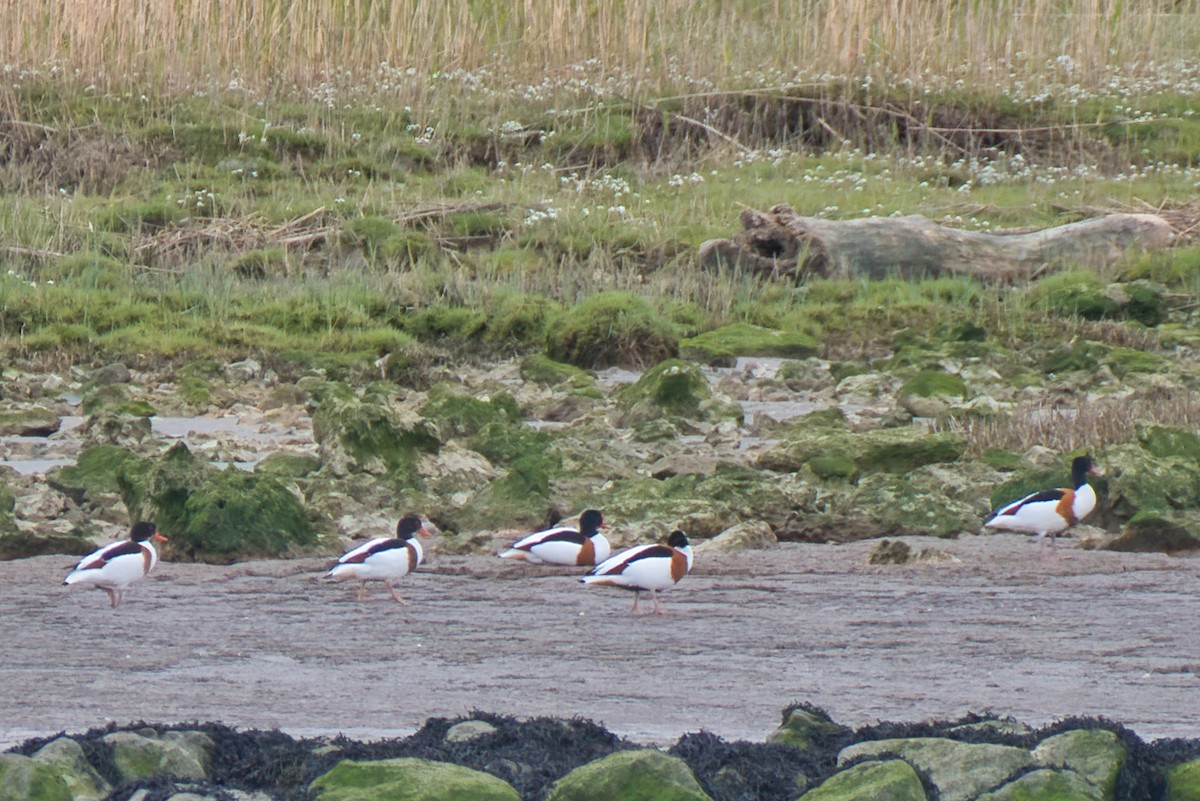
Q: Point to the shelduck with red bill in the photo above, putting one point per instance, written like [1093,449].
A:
[646,567]
[1051,511]
[114,567]
[384,559]
[564,545]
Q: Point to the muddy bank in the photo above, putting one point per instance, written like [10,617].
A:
[269,644]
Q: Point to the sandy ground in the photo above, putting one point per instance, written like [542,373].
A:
[271,644]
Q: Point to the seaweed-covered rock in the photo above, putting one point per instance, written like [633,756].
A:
[145,752]
[960,771]
[1138,481]
[288,465]
[1095,754]
[1046,785]
[1183,782]
[889,780]
[115,398]
[611,329]
[639,775]
[890,504]
[409,779]
[372,434]
[30,421]
[455,413]
[723,345]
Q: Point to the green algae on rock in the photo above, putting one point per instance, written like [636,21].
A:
[638,775]
[409,779]
[889,780]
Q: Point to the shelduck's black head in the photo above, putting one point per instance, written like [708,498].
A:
[1081,468]
[677,539]
[590,522]
[145,530]
[411,526]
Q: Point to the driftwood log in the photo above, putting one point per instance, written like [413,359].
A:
[783,244]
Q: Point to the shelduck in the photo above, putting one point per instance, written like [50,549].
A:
[384,558]
[646,567]
[114,567]
[1051,511]
[564,545]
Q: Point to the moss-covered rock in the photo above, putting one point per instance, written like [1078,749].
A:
[372,434]
[890,780]
[892,450]
[1168,441]
[26,779]
[1046,785]
[157,488]
[807,729]
[1095,754]
[68,758]
[31,421]
[409,779]
[960,771]
[1138,482]
[1157,531]
[640,775]
[113,398]
[1183,782]
[935,383]
[15,544]
[724,344]
[894,505]
[611,329]
[1075,293]
[143,753]
[288,465]
[94,472]
[672,388]
[455,413]
[541,369]
[750,535]
[237,515]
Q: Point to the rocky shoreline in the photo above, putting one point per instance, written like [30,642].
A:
[485,756]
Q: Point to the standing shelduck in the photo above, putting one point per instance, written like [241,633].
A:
[646,567]
[1051,511]
[114,567]
[384,558]
[564,545]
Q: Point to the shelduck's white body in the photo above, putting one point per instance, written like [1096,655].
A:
[646,567]
[564,545]
[384,559]
[114,567]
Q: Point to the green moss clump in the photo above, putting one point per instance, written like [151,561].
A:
[1166,441]
[369,429]
[461,415]
[158,489]
[518,319]
[408,779]
[541,369]
[25,779]
[935,383]
[286,466]
[114,397]
[95,471]
[238,515]
[611,329]
[194,391]
[743,339]
[1075,294]
[127,217]
[445,322]
[1076,356]
[674,386]
[1125,361]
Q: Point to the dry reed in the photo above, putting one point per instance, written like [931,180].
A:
[658,45]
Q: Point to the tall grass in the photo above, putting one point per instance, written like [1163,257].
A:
[656,44]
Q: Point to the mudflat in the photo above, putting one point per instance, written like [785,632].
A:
[995,628]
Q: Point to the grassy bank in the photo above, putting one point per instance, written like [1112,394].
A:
[175,190]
